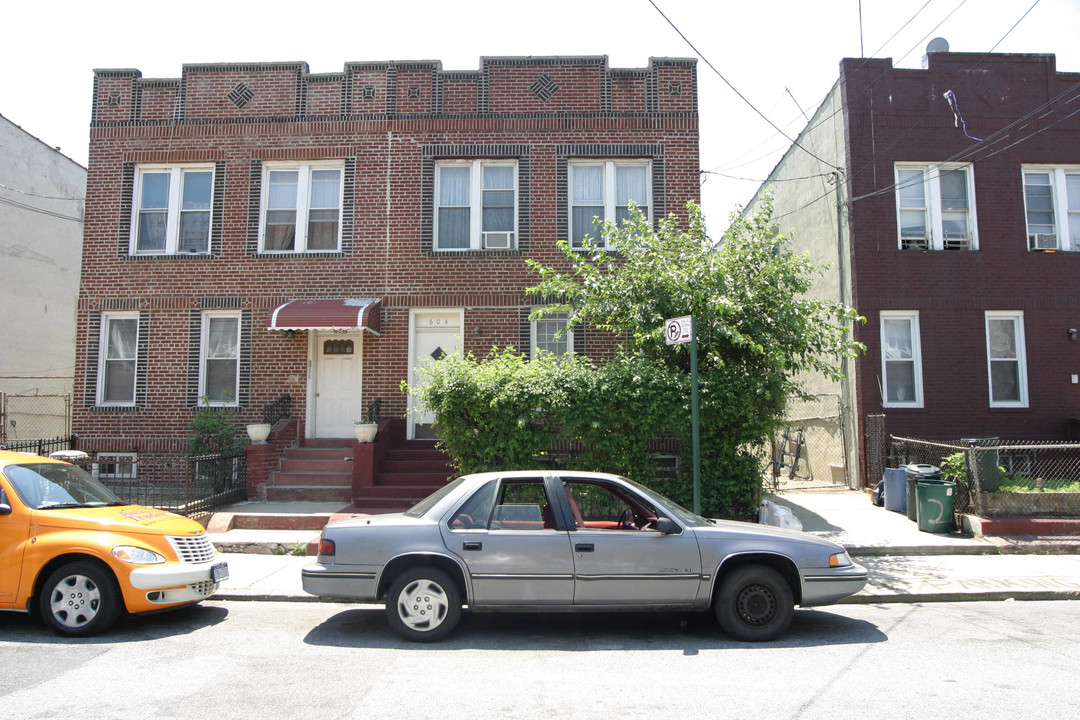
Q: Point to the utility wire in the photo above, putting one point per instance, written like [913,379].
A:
[736,91]
[31,208]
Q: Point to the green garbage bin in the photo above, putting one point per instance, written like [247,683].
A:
[914,474]
[935,498]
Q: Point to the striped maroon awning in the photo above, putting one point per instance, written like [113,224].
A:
[327,314]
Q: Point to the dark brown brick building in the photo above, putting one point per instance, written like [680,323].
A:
[957,237]
[258,230]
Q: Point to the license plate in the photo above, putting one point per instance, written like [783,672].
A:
[219,572]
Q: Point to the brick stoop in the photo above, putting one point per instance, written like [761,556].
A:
[409,471]
[318,471]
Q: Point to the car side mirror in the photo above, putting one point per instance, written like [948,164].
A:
[5,509]
[667,526]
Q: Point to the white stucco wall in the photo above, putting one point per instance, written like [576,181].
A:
[42,196]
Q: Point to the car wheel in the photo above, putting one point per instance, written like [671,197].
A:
[79,599]
[754,603]
[423,604]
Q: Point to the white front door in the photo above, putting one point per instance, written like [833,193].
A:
[434,333]
[338,360]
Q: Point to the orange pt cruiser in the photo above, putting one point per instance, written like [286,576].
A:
[75,553]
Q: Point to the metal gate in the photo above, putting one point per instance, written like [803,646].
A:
[810,450]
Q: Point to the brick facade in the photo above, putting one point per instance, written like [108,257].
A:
[387,124]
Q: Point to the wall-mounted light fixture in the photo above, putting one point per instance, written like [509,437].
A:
[1072,333]
[478,331]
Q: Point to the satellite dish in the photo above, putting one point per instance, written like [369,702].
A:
[938,44]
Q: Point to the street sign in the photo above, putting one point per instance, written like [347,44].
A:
[678,330]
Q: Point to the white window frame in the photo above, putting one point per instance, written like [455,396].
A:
[303,203]
[1017,316]
[172,216]
[477,236]
[1066,221]
[103,350]
[119,459]
[610,205]
[204,344]
[568,331]
[932,198]
[912,316]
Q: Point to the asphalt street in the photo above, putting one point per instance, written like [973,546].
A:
[282,660]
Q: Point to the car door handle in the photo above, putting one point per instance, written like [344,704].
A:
[583,547]
[472,545]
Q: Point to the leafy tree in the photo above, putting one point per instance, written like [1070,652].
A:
[758,332]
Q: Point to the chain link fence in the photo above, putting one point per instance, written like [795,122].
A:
[1001,479]
[809,452]
[30,417]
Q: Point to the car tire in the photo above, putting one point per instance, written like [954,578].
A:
[80,599]
[423,604]
[754,603]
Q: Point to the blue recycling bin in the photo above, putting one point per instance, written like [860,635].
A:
[896,490]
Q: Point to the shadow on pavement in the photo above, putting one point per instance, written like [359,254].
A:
[589,632]
[21,627]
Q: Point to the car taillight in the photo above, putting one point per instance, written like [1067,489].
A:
[326,547]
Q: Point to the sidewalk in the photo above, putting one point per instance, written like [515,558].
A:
[905,564]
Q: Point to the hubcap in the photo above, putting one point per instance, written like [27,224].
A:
[422,605]
[755,604]
[75,601]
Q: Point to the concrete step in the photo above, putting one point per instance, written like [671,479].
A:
[330,479]
[402,453]
[411,479]
[319,453]
[400,491]
[415,466]
[316,465]
[376,505]
[308,493]
[329,443]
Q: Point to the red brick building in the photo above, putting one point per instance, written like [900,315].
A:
[258,230]
[957,238]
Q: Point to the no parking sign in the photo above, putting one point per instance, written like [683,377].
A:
[678,330]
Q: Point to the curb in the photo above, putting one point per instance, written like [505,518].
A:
[988,596]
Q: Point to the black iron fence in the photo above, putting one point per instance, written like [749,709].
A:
[43,446]
[999,479]
[179,483]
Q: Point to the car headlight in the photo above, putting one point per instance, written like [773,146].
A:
[136,555]
[839,560]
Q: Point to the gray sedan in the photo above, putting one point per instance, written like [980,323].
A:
[573,541]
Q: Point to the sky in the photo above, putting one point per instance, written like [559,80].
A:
[782,56]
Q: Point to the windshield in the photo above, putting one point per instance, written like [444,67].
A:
[45,485]
[680,513]
[433,499]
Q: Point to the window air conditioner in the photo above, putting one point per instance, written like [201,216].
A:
[498,241]
[1043,241]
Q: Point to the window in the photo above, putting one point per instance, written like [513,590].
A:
[935,207]
[477,205]
[118,359]
[301,207]
[172,210]
[901,359]
[603,190]
[1052,207]
[1005,357]
[116,466]
[551,334]
[219,359]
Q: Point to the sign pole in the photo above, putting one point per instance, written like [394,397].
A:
[694,428]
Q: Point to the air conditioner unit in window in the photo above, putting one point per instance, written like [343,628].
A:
[1043,241]
[498,241]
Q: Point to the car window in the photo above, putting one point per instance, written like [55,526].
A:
[433,499]
[603,507]
[475,512]
[43,485]
[522,504]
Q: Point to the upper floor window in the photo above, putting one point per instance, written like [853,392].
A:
[603,190]
[901,359]
[172,209]
[1006,358]
[935,206]
[1052,207]
[118,359]
[219,358]
[301,207]
[551,334]
[476,205]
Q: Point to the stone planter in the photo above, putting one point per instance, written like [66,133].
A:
[258,432]
[365,432]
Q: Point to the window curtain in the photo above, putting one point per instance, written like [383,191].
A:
[631,184]
[281,211]
[454,218]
